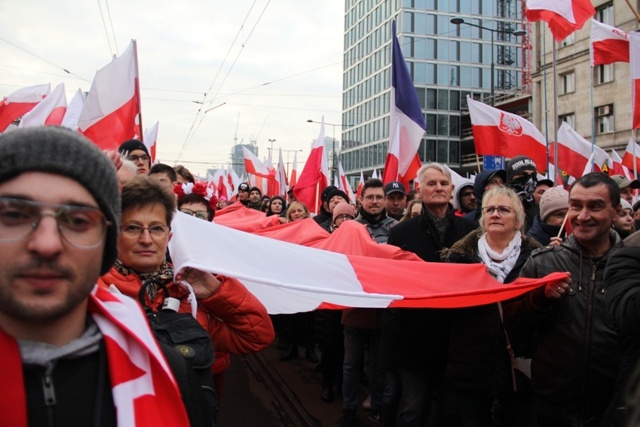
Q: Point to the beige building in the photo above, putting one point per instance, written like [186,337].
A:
[594,101]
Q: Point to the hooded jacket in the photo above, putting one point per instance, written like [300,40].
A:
[478,190]
[576,352]
[456,196]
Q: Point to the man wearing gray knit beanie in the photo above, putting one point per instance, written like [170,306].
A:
[554,205]
[61,336]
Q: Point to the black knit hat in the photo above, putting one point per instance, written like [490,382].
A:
[132,144]
[337,192]
[325,193]
[255,189]
[63,152]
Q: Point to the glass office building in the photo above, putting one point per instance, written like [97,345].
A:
[447,63]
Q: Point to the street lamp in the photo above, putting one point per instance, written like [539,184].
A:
[517,33]
[333,149]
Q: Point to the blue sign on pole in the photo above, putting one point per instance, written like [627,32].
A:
[493,162]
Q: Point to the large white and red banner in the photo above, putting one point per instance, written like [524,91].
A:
[344,269]
[20,102]
[574,152]
[498,133]
[50,111]
[608,44]
[563,16]
[112,108]
[406,122]
[315,175]
[634,58]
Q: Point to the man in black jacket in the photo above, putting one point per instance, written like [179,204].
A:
[414,341]
[72,352]
[576,353]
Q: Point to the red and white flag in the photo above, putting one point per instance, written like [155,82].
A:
[406,122]
[150,141]
[634,57]
[343,183]
[617,168]
[315,175]
[293,179]
[498,133]
[608,44]
[234,181]
[20,103]
[631,155]
[50,111]
[74,109]
[574,152]
[112,108]
[374,175]
[360,185]
[254,165]
[281,176]
[345,269]
[563,16]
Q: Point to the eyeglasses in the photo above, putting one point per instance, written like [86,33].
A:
[502,210]
[81,226]
[197,214]
[135,159]
[134,230]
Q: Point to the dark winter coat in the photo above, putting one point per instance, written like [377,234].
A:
[576,352]
[478,357]
[542,232]
[416,339]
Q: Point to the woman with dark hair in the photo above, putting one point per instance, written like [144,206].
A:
[277,206]
[195,204]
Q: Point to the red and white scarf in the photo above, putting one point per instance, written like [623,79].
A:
[144,389]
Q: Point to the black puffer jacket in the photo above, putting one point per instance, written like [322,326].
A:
[576,353]
[477,357]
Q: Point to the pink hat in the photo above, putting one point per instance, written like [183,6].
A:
[343,208]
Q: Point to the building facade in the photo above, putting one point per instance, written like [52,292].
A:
[447,62]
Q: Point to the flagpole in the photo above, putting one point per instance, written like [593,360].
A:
[593,120]
[633,9]
[137,80]
[546,98]
[555,105]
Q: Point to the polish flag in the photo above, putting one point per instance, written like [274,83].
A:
[221,184]
[630,158]
[21,102]
[150,140]
[234,181]
[407,124]
[346,272]
[617,168]
[281,176]
[498,133]
[563,16]
[360,185]
[72,115]
[608,44]
[254,165]
[272,181]
[50,111]
[374,175]
[343,183]
[574,152]
[634,57]
[112,108]
[293,179]
[315,175]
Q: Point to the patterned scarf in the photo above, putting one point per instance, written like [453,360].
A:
[144,389]
[163,275]
[500,264]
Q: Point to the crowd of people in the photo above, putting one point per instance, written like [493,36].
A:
[564,354]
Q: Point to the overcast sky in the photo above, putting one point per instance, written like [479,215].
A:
[283,65]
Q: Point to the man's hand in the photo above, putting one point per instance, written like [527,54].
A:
[558,289]
[115,158]
[204,284]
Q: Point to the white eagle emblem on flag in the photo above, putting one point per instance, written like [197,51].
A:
[510,125]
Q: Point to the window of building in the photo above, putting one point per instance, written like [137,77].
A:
[571,39]
[603,73]
[567,83]
[569,119]
[604,118]
[604,13]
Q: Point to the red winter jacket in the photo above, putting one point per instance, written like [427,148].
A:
[236,321]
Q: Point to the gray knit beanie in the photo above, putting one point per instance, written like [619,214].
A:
[63,152]
[553,199]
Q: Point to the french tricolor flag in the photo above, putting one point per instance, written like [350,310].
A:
[608,44]
[406,126]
